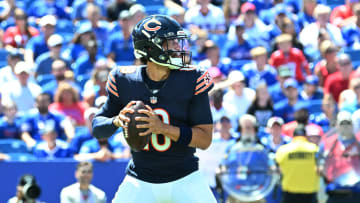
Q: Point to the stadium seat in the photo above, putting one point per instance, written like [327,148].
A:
[334,3]
[22,157]
[3,58]
[150,2]
[44,79]
[13,146]
[355,56]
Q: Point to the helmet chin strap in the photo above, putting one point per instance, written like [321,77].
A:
[174,66]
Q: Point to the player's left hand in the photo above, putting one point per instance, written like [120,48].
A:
[154,124]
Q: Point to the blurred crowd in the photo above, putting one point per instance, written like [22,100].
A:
[275,63]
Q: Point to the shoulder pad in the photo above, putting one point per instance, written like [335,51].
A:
[128,69]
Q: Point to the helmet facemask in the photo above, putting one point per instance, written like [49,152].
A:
[175,52]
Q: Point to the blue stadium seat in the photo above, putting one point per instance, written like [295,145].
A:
[13,146]
[22,157]
[150,2]
[3,57]
[355,56]
[44,79]
[82,79]
[315,107]
[334,3]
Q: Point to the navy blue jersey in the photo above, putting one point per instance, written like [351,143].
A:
[181,101]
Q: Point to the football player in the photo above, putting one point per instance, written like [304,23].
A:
[178,110]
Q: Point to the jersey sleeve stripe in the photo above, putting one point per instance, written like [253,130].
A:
[112,83]
[111,90]
[201,77]
[112,78]
[200,85]
[204,88]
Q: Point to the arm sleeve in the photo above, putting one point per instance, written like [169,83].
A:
[200,112]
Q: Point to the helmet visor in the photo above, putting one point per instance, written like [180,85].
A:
[178,50]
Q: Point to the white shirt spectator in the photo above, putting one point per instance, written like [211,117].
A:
[309,35]
[23,96]
[213,20]
[72,194]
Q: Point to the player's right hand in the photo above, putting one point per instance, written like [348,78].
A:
[121,120]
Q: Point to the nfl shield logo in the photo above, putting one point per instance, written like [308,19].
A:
[153,99]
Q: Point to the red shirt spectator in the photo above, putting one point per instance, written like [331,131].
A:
[335,84]
[328,64]
[321,69]
[15,38]
[288,128]
[340,16]
[67,102]
[295,60]
[18,35]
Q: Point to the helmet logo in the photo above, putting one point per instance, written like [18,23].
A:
[152,28]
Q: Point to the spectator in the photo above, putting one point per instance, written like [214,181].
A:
[288,27]
[340,160]
[231,10]
[96,85]
[306,16]
[238,98]
[297,163]
[77,46]
[82,189]
[119,47]
[326,119]
[7,73]
[262,107]
[259,71]
[342,15]
[311,89]
[350,32]
[18,35]
[216,105]
[216,74]
[51,147]
[212,53]
[314,134]
[45,60]
[223,139]
[178,14]
[26,180]
[58,70]
[104,150]
[84,65]
[275,138]
[301,116]
[100,28]
[7,9]
[277,91]
[39,44]
[291,56]
[10,122]
[22,91]
[286,108]
[83,134]
[339,81]
[329,63]
[310,34]
[356,120]
[41,8]
[115,8]
[79,9]
[35,122]
[137,13]
[255,30]
[205,16]
[240,48]
[67,102]
[351,97]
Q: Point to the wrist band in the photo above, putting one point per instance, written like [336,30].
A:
[185,135]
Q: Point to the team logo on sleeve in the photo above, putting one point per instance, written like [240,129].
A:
[203,83]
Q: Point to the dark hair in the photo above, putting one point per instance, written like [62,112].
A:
[300,130]
[84,163]
[301,116]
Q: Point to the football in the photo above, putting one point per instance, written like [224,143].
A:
[136,142]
